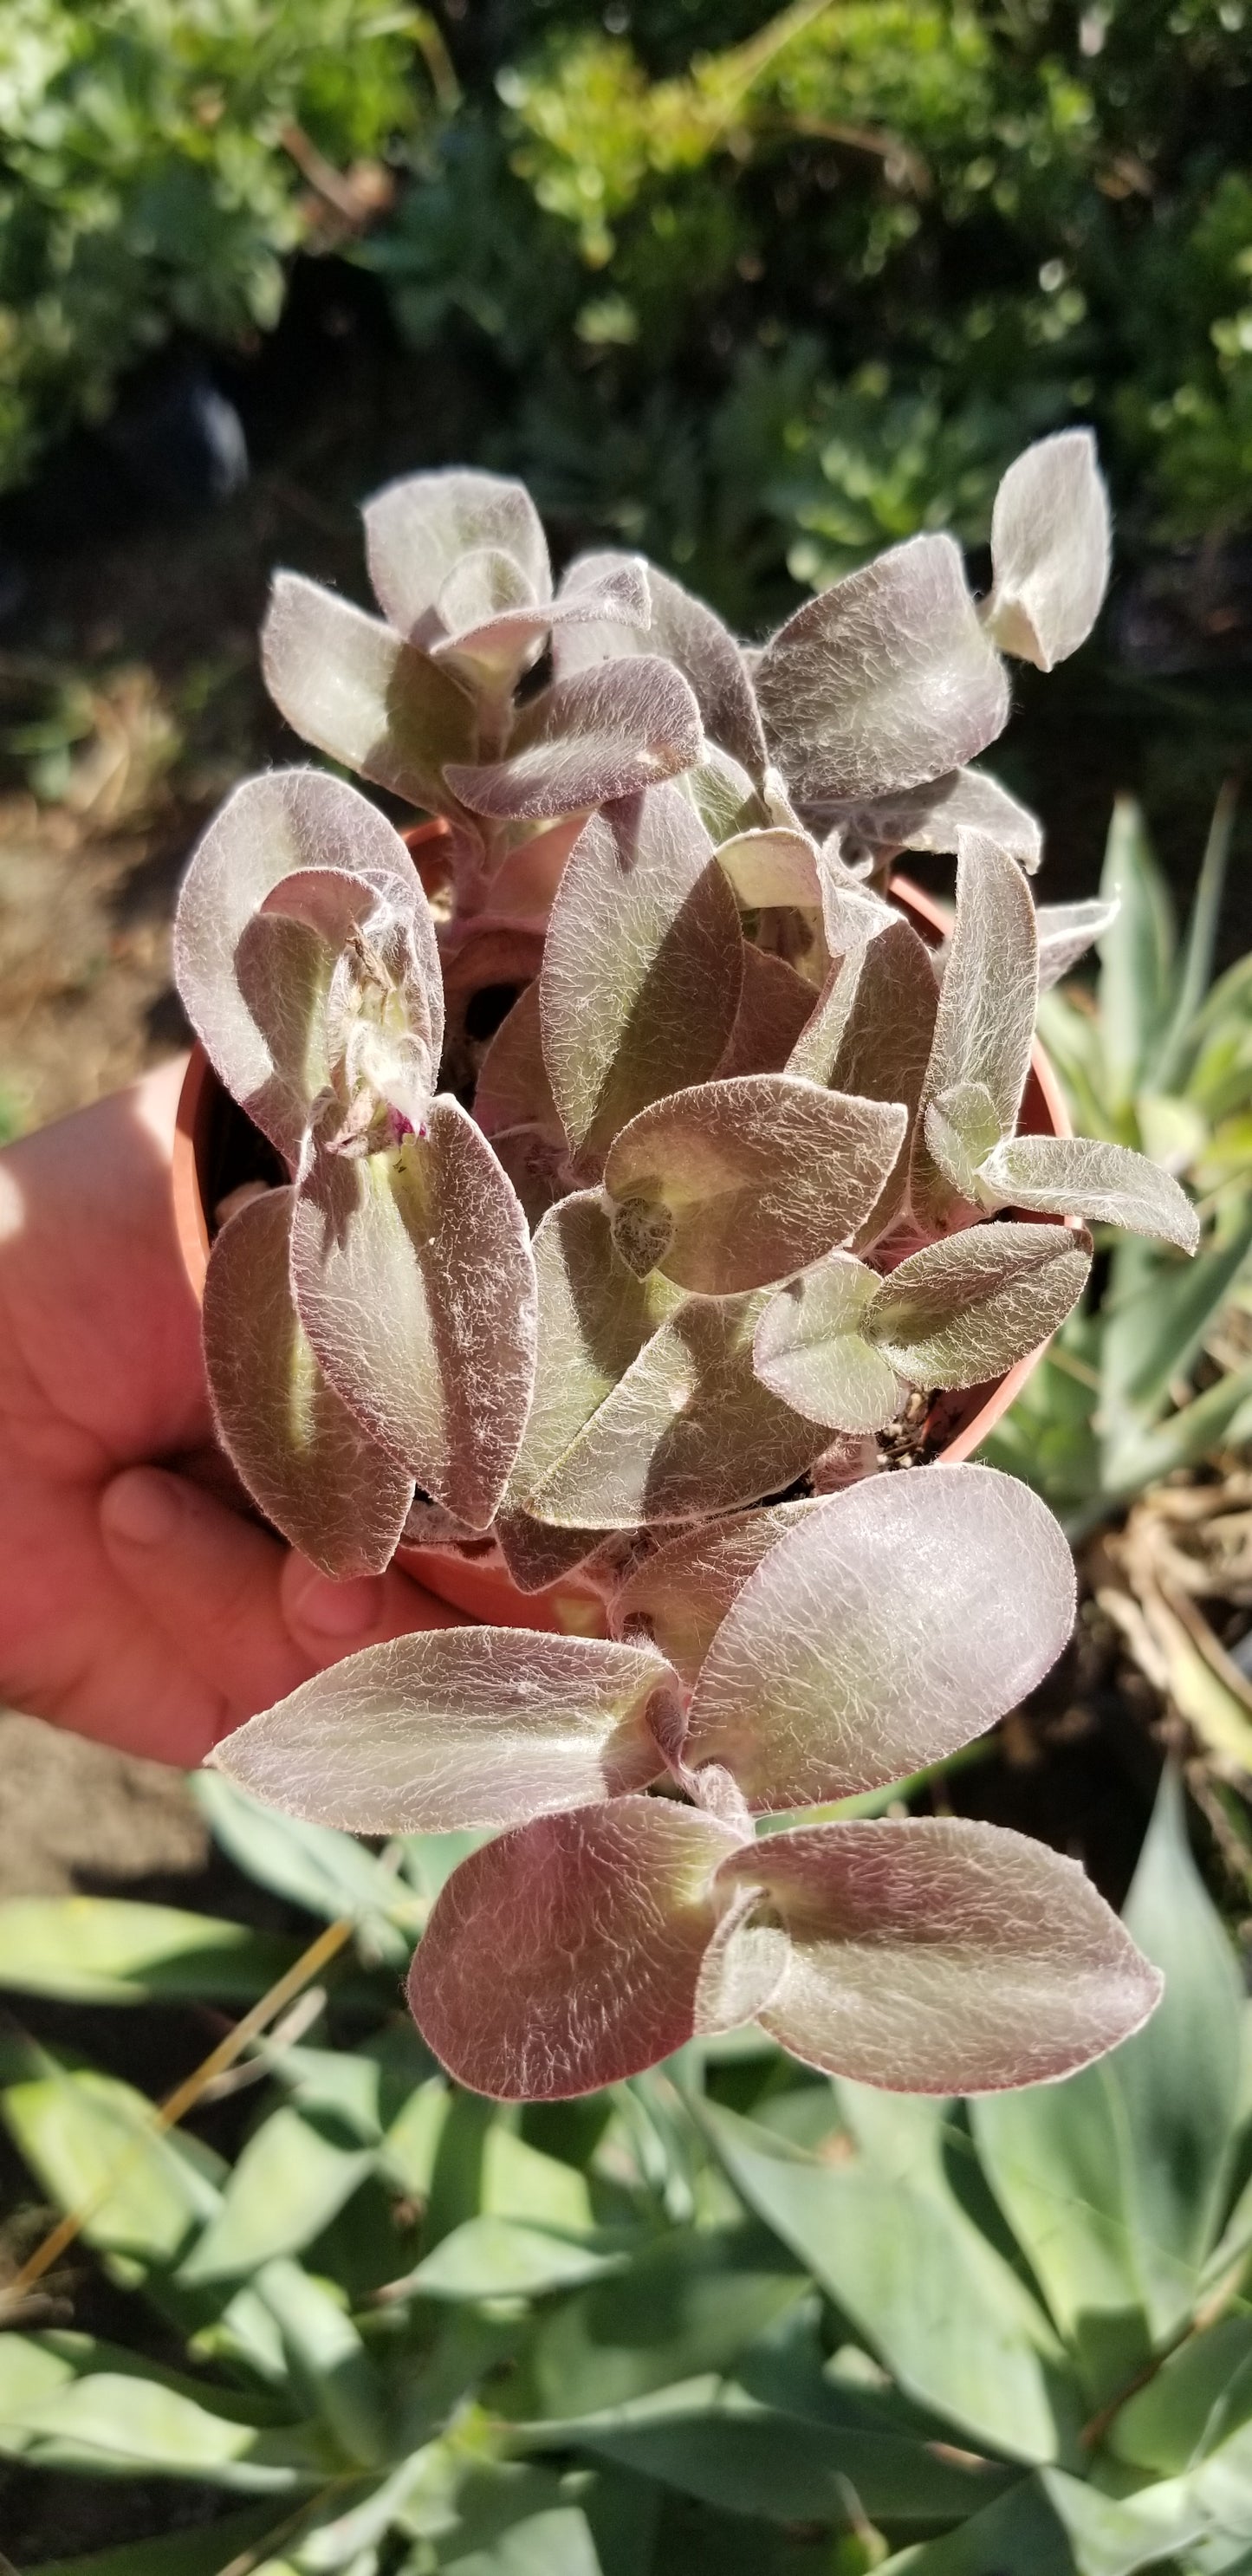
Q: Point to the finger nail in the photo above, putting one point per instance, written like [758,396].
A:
[329,1609]
[142,1507]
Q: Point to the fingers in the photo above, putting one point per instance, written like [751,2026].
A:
[210,1581]
[327,1620]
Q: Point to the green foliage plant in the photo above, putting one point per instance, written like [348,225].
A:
[1159,1055]
[728,2315]
[734,1181]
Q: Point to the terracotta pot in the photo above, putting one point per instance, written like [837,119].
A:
[216,1147]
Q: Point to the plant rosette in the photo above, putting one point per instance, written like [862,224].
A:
[631,1183]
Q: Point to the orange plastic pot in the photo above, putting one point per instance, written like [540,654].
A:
[212,1146]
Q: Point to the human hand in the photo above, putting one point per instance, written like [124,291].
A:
[135,1605]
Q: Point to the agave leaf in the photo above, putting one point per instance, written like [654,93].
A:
[986,1015]
[605,733]
[894,1624]
[812,1349]
[418,529]
[872,1033]
[1050,550]
[415,1283]
[964,1309]
[351,686]
[1135,984]
[937,1955]
[687,1430]
[512,1089]
[1066,932]
[690,636]
[1082,1176]
[884,682]
[642,966]
[932,817]
[458,1728]
[774,1005]
[289,821]
[305,1459]
[733,1184]
[568,1954]
[680,1595]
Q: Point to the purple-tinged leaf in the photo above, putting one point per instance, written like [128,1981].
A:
[304,1458]
[964,1309]
[987,1000]
[885,681]
[1084,1177]
[687,1431]
[513,1089]
[594,1318]
[773,865]
[774,1006]
[416,1286]
[536,1556]
[872,1034]
[496,630]
[287,822]
[733,1184]
[687,634]
[724,796]
[893,1625]
[605,733]
[961,1128]
[931,818]
[534,1167]
[812,1349]
[418,530]
[378,1031]
[942,1956]
[568,1954]
[680,1595]
[1066,932]
[642,967]
[347,683]
[459,1728]
[1050,550]
[524,885]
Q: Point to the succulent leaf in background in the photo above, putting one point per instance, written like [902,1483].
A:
[729,2314]
[735,1188]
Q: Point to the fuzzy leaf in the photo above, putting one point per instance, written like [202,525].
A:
[931,818]
[495,638]
[1066,931]
[942,1956]
[725,798]
[885,681]
[418,530]
[690,636]
[642,966]
[568,1955]
[773,865]
[289,821]
[606,733]
[348,684]
[305,1459]
[594,1318]
[737,1183]
[1083,1176]
[680,1596]
[986,1015]
[774,1005]
[687,1430]
[1050,550]
[964,1309]
[872,1034]
[812,1349]
[460,1728]
[895,1623]
[415,1283]
[512,1089]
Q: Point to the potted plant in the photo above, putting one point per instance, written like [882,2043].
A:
[721,1184]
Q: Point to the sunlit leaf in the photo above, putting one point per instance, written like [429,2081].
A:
[892,1625]
[568,1954]
[594,1318]
[735,1183]
[457,1728]
[964,1309]
[1134,990]
[1066,932]
[937,1955]
[1084,1176]
[872,1034]
[812,1348]
[986,1016]
[773,865]
[605,733]
[885,681]
[89,2139]
[415,1283]
[116,1950]
[305,1458]
[932,816]
[288,2184]
[774,1005]
[687,1430]
[689,635]
[679,1596]
[642,966]
[351,686]
[418,529]
[1050,549]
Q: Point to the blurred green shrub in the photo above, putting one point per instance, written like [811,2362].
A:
[155,161]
